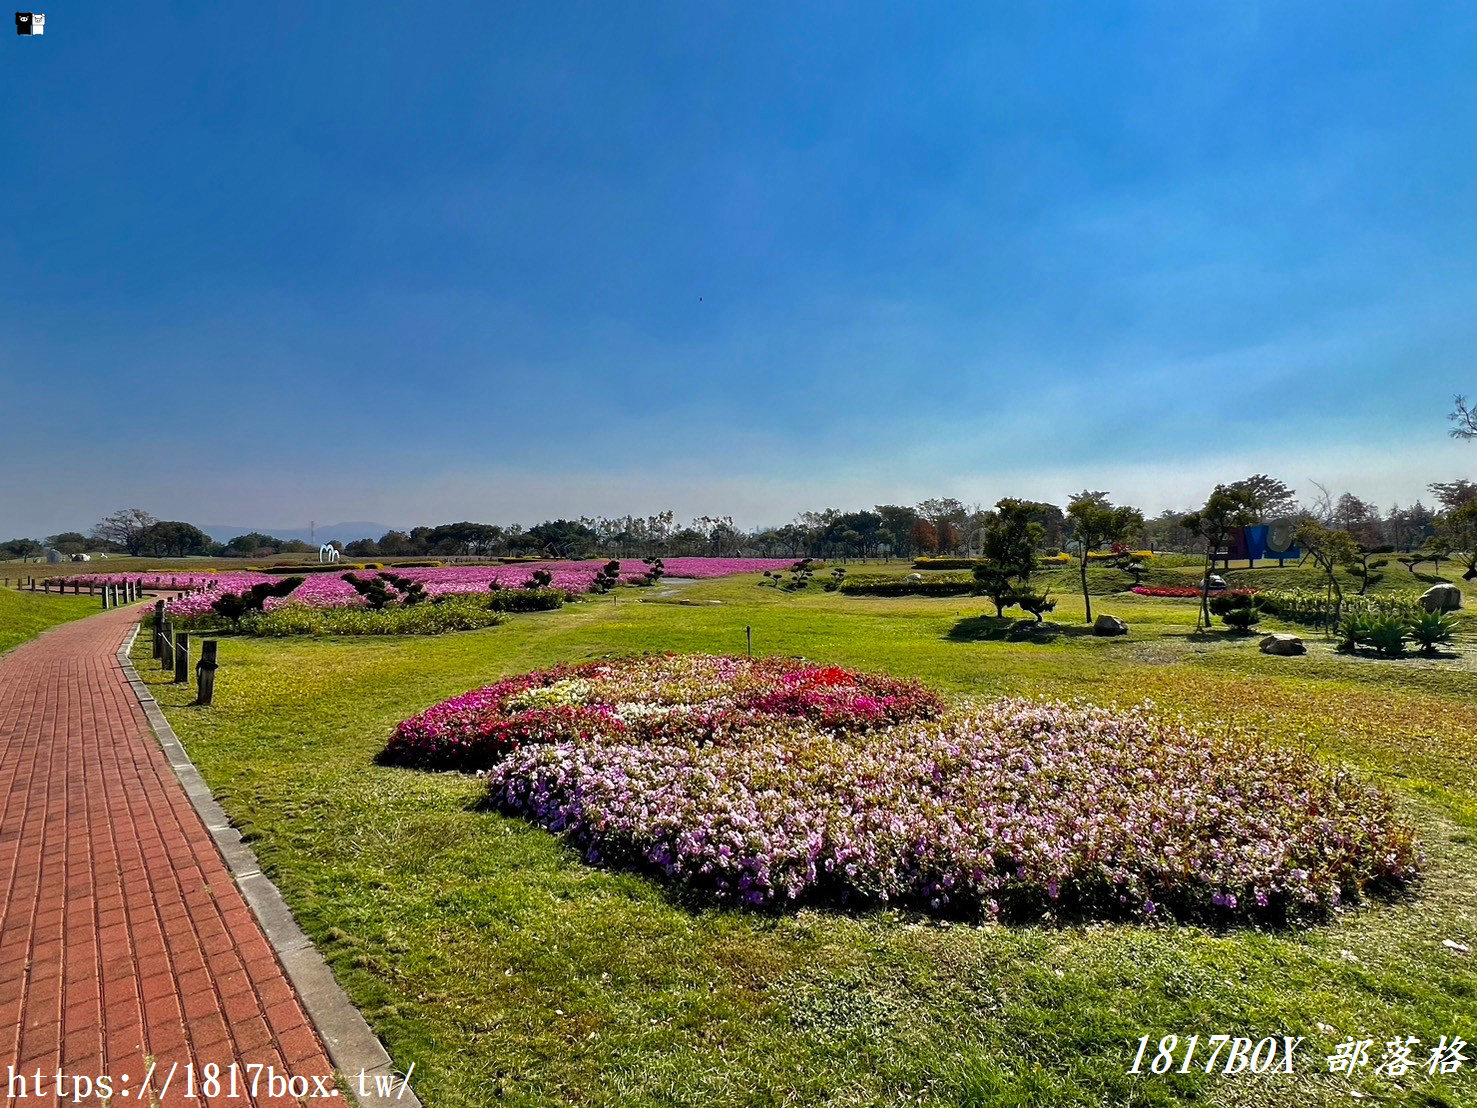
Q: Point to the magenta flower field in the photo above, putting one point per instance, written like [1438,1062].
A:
[329,590]
[775,783]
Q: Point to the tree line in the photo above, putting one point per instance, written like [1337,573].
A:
[938,526]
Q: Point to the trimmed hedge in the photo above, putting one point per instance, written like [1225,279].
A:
[466,614]
[526,600]
[899,586]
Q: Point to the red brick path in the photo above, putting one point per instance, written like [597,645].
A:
[121,933]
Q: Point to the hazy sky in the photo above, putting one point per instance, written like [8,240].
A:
[272,263]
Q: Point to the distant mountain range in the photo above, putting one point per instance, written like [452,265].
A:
[327,532]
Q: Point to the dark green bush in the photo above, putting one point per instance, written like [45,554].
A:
[377,591]
[1036,603]
[235,605]
[467,613]
[1354,632]
[1387,635]
[897,586]
[1242,618]
[1432,629]
[521,600]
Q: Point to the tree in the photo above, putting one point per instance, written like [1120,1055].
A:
[173,538]
[923,536]
[1094,521]
[898,522]
[1365,563]
[1267,497]
[1227,508]
[1465,419]
[20,548]
[1329,549]
[1358,517]
[397,544]
[1008,548]
[124,528]
[1164,531]
[1453,494]
[561,538]
[251,544]
[69,542]
[1459,530]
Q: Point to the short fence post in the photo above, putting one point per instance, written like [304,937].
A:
[749,634]
[158,628]
[182,658]
[107,597]
[166,647]
[205,671]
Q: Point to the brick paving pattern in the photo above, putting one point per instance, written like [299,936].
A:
[122,935]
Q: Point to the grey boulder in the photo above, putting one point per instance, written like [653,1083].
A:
[1283,644]
[1441,598]
[1109,625]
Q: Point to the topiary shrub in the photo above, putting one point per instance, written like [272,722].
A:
[234,605]
[376,591]
[411,591]
[607,577]
[1036,603]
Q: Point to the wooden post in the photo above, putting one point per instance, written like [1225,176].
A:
[166,647]
[158,628]
[182,658]
[749,634]
[205,671]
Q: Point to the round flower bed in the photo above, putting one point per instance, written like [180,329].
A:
[773,783]
[695,698]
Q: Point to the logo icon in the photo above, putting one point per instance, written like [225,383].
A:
[30,23]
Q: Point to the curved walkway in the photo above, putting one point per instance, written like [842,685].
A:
[123,939]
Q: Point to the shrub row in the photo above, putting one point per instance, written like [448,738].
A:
[458,614]
[897,586]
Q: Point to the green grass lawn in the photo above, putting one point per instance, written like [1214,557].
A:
[508,971]
[24,615]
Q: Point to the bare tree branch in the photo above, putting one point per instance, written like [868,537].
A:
[1465,419]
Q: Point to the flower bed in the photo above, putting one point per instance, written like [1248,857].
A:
[668,698]
[330,590]
[773,783]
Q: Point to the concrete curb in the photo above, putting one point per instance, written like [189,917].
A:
[353,1048]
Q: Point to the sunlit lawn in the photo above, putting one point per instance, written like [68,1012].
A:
[23,615]
[482,950]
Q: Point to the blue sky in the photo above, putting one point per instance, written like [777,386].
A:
[276,263]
